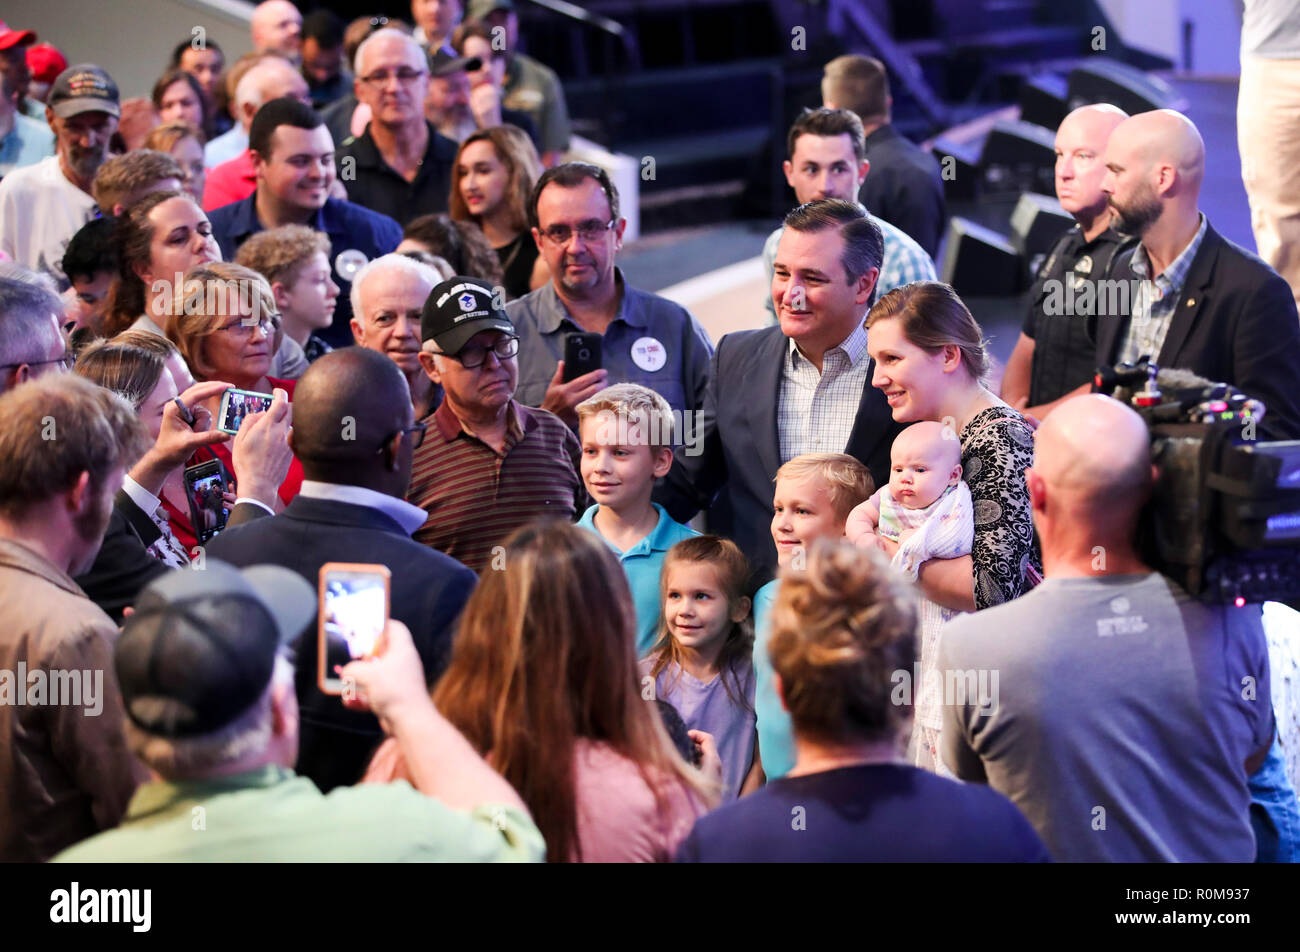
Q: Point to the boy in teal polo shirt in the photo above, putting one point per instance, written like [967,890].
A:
[814,495]
[626,433]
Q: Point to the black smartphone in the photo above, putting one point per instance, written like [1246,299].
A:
[237,404]
[205,486]
[581,355]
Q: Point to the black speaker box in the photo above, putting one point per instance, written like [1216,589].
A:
[978,261]
[1044,100]
[1036,223]
[1018,157]
[1107,80]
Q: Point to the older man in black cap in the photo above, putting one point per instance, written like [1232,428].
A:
[456,111]
[210,710]
[488,464]
[43,205]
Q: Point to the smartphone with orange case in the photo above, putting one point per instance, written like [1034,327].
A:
[354,604]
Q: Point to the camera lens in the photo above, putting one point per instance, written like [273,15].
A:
[584,355]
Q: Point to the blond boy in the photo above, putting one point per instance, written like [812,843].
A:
[813,498]
[626,432]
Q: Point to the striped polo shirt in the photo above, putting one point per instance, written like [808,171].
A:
[476,497]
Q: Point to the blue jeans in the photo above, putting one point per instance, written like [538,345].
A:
[1274,811]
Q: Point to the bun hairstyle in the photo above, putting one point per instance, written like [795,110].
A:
[932,317]
[840,629]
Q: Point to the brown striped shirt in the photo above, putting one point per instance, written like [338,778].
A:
[475,497]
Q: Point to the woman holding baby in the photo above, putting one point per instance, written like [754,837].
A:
[930,363]
[966,550]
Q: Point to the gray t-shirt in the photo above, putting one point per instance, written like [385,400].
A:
[1118,714]
[709,708]
[1271,29]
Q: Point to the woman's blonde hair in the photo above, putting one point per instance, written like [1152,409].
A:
[545,656]
[840,630]
[120,366]
[523,167]
[932,317]
[211,294]
[732,569]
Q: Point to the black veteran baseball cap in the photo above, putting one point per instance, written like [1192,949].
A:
[200,648]
[458,309]
[84,88]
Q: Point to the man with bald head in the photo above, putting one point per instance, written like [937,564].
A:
[1198,302]
[1056,354]
[1117,721]
[388,296]
[233,178]
[355,432]
[400,165]
[276,27]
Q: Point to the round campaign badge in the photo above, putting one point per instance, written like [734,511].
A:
[349,262]
[649,354]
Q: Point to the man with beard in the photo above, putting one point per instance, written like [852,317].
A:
[645,339]
[1200,302]
[43,205]
[64,765]
[1055,357]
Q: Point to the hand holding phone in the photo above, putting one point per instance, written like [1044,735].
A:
[238,404]
[353,611]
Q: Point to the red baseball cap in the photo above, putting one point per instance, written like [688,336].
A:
[11,38]
[45,62]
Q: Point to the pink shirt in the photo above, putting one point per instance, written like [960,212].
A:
[618,818]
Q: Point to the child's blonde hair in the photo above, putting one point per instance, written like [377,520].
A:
[850,482]
[733,575]
[628,405]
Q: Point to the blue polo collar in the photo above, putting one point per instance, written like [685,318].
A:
[661,538]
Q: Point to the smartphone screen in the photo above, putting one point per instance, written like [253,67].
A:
[353,611]
[237,404]
[205,487]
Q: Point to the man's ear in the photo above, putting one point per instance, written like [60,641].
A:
[430,367]
[1037,490]
[537,239]
[865,285]
[620,226]
[788,168]
[284,709]
[358,331]
[863,169]
[78,498]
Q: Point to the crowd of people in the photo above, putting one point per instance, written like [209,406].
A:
[820,590]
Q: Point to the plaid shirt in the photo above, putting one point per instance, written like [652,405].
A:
[904,261]
[1154,305]
[817,410]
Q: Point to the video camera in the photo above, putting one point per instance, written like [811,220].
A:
[1224,516]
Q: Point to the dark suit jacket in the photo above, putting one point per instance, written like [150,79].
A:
[1235,323]
[904,187]
[429,589]
[740,450]
[123,566]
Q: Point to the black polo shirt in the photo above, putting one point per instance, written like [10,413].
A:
[1062,314]
[375,184]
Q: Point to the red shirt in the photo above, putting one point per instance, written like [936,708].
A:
[231,181]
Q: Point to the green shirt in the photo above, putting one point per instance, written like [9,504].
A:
[273,815]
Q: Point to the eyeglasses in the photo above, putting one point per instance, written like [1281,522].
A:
[476,356]
[416,430]
[66,360]
[404,76]
[268,325]
[587,231]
